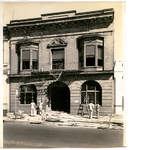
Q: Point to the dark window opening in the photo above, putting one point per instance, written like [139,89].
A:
[58,58]
[34,64]
[100,55]
[26,64]
[91,91]
[58,64]
[28,93]
[34,59]
[81,57]
[22,98]
[90,55]
[91,52]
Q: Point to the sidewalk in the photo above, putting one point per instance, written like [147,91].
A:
[114,122]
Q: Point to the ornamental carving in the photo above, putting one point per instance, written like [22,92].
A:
[57,43]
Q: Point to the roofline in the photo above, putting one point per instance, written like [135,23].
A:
[57,13]
[74,18]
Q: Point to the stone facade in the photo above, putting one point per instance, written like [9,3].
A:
[53,32]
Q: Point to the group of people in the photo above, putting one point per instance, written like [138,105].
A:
[34,107]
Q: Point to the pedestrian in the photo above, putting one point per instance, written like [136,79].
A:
[33,106]
[91,107]
[40,107]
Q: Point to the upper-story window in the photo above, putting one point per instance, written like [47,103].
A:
[28,56]
[58,58]
[91,51]
[57,54]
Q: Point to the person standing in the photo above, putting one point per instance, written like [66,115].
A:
[33,108]
[40,107]
[91,107]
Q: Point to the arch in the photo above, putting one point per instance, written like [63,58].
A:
[59,96]
[91,91]
[27,94]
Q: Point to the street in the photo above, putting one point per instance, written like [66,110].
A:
[23,135]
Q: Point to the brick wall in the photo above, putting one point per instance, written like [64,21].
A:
[106,82]
[71,53]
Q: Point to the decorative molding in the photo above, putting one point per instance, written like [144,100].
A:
[57,43]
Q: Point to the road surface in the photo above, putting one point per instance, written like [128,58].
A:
[23,135]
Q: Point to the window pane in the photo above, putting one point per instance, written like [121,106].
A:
[83,87]
[29,88]
[23,89]
[98,88]
[26,64]
[58,64]
[97,98]
[83,97]
[34,64]
[26,54]
[91,87]
[22,98]
[90,50]
[90,61]
[91,97]
[28,98]
[81,57]
[100,55]
[100,62]
[57,54]
[34,55]
[34,98]
[100,52]
[90,55]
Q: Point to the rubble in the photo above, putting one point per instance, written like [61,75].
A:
[64,119]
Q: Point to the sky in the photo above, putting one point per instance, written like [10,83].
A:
[24,10]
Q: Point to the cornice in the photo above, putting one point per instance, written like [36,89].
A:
[79,19]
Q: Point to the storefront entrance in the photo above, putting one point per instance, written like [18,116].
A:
[59,95]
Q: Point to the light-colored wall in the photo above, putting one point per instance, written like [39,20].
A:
[6,71]
[119,87]
[71,53]
[106,82]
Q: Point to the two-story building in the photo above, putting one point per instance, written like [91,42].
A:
[65,58]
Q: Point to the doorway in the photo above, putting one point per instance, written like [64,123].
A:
[59,95]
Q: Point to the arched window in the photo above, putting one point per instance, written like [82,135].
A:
[28,93]
[91,91]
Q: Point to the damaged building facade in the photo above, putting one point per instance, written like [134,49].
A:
[65,58]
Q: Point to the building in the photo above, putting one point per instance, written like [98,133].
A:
[6,71]
[65,58]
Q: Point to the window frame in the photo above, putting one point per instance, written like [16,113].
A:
[95,91]
[95,41]
[27,47]
[34,91]
[51,57]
